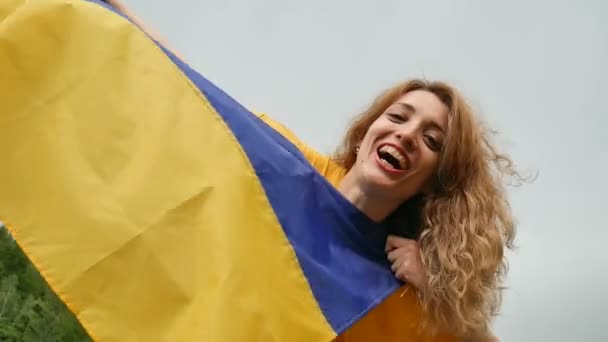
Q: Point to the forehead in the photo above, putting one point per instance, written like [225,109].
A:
[425,104]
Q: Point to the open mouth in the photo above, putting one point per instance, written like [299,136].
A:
[392,158]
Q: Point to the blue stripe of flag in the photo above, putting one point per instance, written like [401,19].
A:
[340,250]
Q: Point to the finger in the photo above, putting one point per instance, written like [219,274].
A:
[395,267]
[399,263]
[394,241]
[403,250]
[399,253]
[400,274]
[401,270]
[390,244]
[394,254]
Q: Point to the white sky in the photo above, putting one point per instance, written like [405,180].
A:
[535,69]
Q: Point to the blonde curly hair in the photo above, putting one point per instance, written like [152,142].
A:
[465,221]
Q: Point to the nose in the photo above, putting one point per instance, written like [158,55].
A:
[408,139]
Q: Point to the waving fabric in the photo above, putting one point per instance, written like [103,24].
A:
[156,206]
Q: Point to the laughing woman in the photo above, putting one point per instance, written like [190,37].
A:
[418,160]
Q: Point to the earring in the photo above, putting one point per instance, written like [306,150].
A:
[356,149]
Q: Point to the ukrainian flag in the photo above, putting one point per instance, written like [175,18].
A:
[156,206]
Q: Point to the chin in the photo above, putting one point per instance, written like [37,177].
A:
[376,181]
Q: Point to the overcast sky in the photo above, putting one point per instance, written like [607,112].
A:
[536,70]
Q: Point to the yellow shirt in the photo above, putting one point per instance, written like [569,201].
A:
[397,318]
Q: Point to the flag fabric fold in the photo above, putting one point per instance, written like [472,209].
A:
[156,206]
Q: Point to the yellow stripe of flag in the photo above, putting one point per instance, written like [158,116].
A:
[118,178]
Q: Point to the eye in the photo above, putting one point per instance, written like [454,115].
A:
[398,118]
[432,142]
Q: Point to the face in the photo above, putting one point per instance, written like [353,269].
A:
[399,154]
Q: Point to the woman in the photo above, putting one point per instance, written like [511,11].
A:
[417,151]
[418,160]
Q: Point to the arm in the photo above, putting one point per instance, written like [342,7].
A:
[119,6]
[404,255]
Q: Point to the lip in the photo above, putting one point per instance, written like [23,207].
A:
[391,169]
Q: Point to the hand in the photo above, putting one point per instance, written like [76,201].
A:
[404,254]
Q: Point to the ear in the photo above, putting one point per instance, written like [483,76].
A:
[357,147]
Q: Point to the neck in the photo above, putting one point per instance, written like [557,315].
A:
[376,208]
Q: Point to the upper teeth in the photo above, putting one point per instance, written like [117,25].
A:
[395,153]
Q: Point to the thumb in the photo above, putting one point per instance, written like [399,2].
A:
[394,241]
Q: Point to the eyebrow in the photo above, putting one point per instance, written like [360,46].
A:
[408,107]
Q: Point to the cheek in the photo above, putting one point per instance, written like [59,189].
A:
[368,139]
[375,132]
[429,164]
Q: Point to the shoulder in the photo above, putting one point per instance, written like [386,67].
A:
[277,126]
[324,164]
